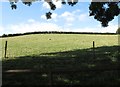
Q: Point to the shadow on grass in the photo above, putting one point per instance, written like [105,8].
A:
[76,67]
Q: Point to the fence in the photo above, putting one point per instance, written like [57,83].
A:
[98,67]
[6,45]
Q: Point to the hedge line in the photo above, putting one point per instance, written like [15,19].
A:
[54,32]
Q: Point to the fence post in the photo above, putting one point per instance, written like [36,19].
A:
[50,79]
[50,75]
[5,48]
[93,49]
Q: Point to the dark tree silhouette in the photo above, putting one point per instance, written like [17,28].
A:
[102,11]
[118,31]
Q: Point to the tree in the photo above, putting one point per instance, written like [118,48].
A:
[118,31]
[102,11]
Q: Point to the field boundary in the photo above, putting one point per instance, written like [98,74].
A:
[55,32]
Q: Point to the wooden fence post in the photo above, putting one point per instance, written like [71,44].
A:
[50,75]
[5,48]
[50,79]
[93,49]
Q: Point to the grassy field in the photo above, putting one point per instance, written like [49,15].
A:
[47,43]
[62,53]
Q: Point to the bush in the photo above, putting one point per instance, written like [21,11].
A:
[4,35]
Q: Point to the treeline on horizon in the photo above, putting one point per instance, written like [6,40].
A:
[54,32]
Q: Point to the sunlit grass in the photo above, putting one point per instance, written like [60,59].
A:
[62,52]
[46,43]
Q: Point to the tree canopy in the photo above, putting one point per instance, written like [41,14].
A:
[102,10]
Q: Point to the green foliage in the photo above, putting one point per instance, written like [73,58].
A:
[97,9]
[104,14]
[118,31]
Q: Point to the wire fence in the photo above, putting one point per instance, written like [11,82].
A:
[81,67]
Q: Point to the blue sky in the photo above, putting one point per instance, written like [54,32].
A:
[64,18]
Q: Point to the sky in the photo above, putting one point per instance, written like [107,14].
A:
[64,18]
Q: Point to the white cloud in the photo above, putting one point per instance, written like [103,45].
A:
[83,17]
[58,4]
[43,17]
[76,11]
[54,15]
[112,28]
[31,27]
[75,15]
[46,5]
[69,24]
[37,26]
[1,30]
[31,20]
[66,14]
[69,17]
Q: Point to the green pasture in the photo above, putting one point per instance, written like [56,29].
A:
[47,43]
[70,56]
